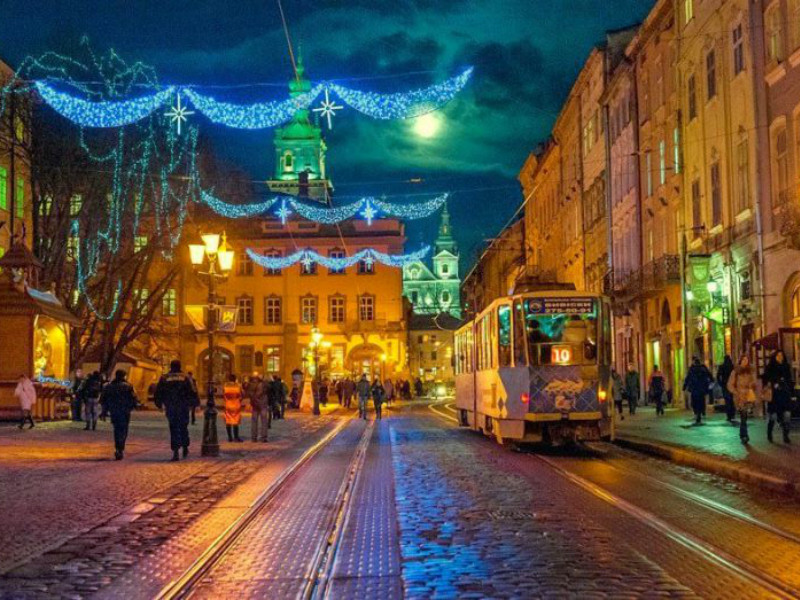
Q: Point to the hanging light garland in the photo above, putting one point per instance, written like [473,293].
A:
[308,256]
[370,209]
[261,115]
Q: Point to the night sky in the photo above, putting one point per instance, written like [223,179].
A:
[526,54]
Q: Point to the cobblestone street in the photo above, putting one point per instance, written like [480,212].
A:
[409,506]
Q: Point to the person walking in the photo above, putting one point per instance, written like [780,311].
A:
[724,373]
[233,395]
[175,394]
[742,386]
[118,400]
[261,413]
[348,389]
[323,392]
[77,400]
[90,391]
[697,382]
[632,389]
[656,389]
[282,392]
[617,392]
[25,392]
[378,393]
[418,389]
[778,380]
[389,387]
[196,404]
[363,392]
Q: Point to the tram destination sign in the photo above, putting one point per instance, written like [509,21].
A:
[561,306]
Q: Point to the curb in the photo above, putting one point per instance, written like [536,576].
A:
[710,464]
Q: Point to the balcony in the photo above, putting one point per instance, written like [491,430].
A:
[651,278]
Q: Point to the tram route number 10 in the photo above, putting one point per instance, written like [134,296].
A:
[561,355]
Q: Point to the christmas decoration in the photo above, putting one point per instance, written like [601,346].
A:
[306,257]
[411,211]
[328,108]
[369,211]
[283,212]
[235,211]
[324,214]
[178,113]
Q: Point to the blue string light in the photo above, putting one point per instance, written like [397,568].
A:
[54,380]
[101,114]
[372,208]
[308,256]
[261,115]
[254,116]
[405,105]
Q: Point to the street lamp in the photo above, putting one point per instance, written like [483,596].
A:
[220,263]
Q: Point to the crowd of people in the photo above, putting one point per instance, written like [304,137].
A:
[93,397]
[738,386]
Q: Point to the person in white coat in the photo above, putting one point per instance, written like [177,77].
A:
[26,395]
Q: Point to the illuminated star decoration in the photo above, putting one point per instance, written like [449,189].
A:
[369,213]
[283,212]
[178,113]
[369,261]
[328,108]
[306,261]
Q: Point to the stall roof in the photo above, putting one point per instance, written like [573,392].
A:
[16,301]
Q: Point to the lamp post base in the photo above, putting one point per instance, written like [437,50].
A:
[210,445]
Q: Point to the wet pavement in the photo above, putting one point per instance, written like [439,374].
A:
[409,507]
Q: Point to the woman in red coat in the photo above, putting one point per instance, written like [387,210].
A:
[233,394]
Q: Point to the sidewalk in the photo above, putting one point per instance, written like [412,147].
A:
[715,447]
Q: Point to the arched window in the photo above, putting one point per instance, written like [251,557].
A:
[288,161]
[445,297]
[796,303]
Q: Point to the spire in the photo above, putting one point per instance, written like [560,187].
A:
[445,240]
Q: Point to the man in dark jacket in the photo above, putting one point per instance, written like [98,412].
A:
[77,399]
[724,373]
[778,381]
[118,400]
[633,389]
[697,383]
[176,395]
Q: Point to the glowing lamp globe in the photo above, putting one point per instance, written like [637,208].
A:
[197,252]
[427,125]
[225,260]
[211,240]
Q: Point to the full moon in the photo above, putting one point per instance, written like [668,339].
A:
[427,125]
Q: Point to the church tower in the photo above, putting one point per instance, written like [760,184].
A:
[445,252]
[300,151]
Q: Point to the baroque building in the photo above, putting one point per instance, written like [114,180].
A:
[436,291]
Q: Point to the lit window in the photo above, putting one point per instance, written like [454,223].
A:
[244,310]
[45,206]
[676,150]
[366,308]
[336,313]
[272,254]
[272,359]
[688,10]
[169,303]
[648,169]
[20,199]
[244,264]
[139,243]
[272,310]
[73,247]
[336,254]
[738,49]
[75,204]
[140,297]
[308,310]
[662,162]
[774,35]
[3,188]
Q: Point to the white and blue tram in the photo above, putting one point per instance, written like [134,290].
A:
[535,367]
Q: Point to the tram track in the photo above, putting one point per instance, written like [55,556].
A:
[709,552]
[318,571]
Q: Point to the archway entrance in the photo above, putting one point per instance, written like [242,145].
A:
[365,359]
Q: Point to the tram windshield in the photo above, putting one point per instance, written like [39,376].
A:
[559,331]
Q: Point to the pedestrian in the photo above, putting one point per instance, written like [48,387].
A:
[389,387]
[742,386]
[363,392]
[348,389]
[77,400]
[261,413]
[723,374]
[175,394]
[617,391]
[337,389]
[90,392]
[777,379]
[193,382]
[697,383]
[118,400]
[378,392]
[407,389]
[25,393]
[295,396]
[656,389]
[323,392]
[632,388]
[418,389]
[281,394]
[233,395]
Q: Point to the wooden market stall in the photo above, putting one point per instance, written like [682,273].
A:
[34,338]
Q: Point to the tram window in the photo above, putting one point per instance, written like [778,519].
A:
[519,335]
[561,339]
[504,335]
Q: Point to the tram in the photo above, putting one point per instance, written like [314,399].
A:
[535,367]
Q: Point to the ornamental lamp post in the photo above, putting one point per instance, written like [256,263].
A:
[220,263]
[316,341]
